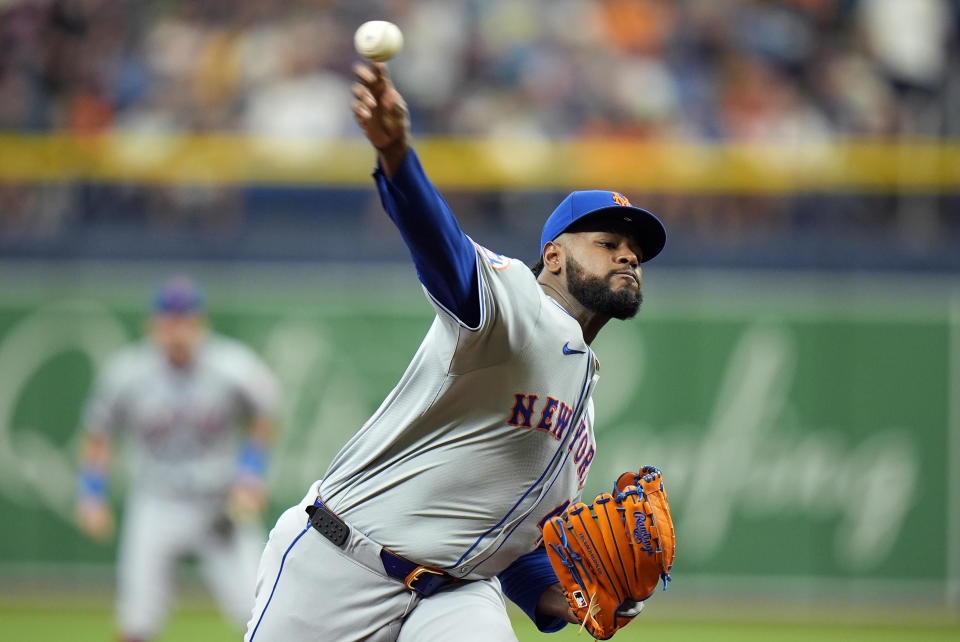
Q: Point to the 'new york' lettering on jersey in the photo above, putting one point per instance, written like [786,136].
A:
[502,410]
[554,419]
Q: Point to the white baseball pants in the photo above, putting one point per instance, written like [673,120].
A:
[309,590]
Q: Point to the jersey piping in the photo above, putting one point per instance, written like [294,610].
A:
[546,490]
[577,416]
[483,307]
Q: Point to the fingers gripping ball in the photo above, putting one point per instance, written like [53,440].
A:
[378,40]
[611,555]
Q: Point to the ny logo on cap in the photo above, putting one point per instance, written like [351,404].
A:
[620,199]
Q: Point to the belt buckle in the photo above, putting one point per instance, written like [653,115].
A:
[416,573]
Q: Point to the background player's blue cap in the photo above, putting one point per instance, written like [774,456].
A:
[178,295]
[649,231]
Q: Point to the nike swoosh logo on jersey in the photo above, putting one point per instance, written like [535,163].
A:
[568,350]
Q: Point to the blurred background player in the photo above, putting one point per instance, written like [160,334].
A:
[197,409]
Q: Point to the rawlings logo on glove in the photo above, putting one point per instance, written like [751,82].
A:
[610,556]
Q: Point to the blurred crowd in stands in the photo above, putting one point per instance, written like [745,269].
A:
[743,70]
[731,69]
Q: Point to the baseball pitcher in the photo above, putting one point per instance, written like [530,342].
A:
[464,486]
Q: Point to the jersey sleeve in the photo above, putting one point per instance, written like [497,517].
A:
[442,253]
[104,413]
[487,304]
[256,384]
[510,309]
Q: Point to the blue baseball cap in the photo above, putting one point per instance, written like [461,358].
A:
[648,230]
[178,295]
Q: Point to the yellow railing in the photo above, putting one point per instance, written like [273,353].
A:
[855,166]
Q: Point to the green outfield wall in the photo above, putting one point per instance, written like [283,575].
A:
[807,426]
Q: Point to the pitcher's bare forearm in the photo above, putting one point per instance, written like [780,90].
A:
[391,157]
[382,114]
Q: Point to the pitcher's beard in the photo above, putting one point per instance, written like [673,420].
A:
[596,294]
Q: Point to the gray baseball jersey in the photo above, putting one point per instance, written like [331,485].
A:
[488,433]
[183,423]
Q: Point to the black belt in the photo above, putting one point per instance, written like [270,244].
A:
[425,580]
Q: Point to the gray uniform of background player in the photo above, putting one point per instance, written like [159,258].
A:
[182,427]
[406,479]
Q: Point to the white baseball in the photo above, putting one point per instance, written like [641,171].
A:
[378,40]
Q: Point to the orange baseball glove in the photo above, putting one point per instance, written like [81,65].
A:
[611,555]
